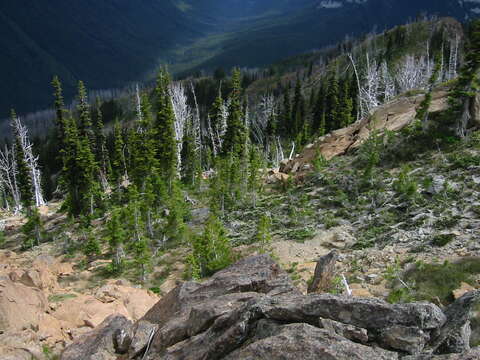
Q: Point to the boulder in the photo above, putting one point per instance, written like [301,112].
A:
[20,305]
[20,345]
[136,301]
[350,332]
[409,339]
[473,354]
[303,341]
[251,310]
[97,344]
[86,310]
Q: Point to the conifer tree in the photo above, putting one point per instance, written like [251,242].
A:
[345,106]
[190,162]
[142,256]
[118,158]
[263,235]
[142,146]
[236,135]
[254,176]
[116,237]
[175,227]
[462,96]
[167,144]
[87,185]
[332,104]
[318,123]
[422,111]
[60,111]
[84,117]
[212,250]
[32,229]
[91,247]
[79,172]
[100,146]
[298,109]
[216,119]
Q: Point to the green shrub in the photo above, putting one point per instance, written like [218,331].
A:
[319,163]
[442,239]
[211,251]
[301,234]
[405,185]
[400,295]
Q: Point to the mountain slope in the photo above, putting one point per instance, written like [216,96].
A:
[316,24]
[112,42]
[105,43]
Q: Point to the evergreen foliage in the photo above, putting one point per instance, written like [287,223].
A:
[236,135]
[23,172]
[165,129]
[263,235]
[211,251]
[32,229]
[116,237]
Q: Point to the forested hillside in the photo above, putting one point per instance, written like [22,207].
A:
[111,43]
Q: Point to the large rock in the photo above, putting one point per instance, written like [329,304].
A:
[392,116]
[20,305]
[98,344]
[136,301]
[86,310]
[252,311]
[409,339]
[473,354]
[303,341]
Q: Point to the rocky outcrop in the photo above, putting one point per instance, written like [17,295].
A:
[392,116]
[36,309]
[20,305]
[252,311]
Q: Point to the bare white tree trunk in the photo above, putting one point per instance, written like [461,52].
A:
[412,74]
[197,126]
[462,122]
[183,113]
[138,104]
[452,64]
[388,83]
[31,160]
[369,93]
[8,176]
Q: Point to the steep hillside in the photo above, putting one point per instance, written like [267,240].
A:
[315,24]
[117,41]
[106,43]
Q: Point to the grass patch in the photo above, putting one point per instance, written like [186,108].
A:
[61,297]
[301,234]
[437,281]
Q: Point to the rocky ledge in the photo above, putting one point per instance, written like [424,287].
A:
[251,310]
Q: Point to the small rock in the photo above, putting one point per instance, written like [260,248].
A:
[462,290]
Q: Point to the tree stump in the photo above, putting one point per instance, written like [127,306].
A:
[324,272]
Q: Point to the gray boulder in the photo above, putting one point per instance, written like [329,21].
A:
[251,310]
[98,344]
